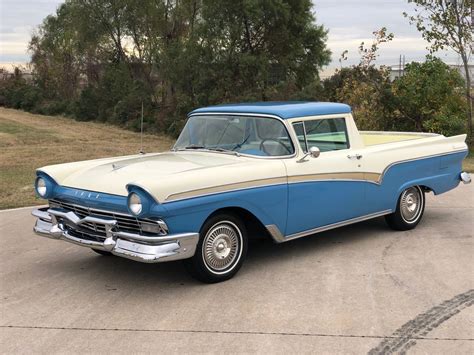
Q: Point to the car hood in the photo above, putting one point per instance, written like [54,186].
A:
[164,175]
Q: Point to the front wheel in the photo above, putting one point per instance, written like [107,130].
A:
[410,208]
[221,249]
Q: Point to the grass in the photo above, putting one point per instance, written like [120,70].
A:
[29,141]
[468,163]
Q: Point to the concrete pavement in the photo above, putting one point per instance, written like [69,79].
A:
[357,289]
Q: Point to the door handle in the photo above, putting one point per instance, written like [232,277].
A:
[355,156]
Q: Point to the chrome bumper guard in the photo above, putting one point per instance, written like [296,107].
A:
[143,248]
[465,177]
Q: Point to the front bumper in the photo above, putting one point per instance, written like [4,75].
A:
[51,223]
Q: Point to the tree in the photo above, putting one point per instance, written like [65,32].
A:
[255,45]
[54,55]
[447,24]
[244,50]
[428,98]
[366,88]
[175,55]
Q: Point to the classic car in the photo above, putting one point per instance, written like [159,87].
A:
[285,170]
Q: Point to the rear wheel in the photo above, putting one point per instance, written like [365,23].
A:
[102,252]
[221,249]
[410,208]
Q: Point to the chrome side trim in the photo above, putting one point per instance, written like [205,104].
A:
[390,133]
[221,192]
[415,159]
[349,176]
[341,176]
[274,231]
[278,237]
[369,177]
[226,188]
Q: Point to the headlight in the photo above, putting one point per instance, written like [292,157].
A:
[135,204]
[45,186]
[41,187]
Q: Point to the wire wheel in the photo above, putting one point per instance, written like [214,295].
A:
[221,247]
[411,204]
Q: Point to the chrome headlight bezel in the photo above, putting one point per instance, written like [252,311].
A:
[44,186]
[146,199]
[135,203]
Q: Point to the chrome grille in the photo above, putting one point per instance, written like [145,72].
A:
[125,222]
[83,233]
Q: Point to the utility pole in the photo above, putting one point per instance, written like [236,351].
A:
[403,66]
[141,133]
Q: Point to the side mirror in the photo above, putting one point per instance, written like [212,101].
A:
[313,151]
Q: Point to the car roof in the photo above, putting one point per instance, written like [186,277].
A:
[284,109]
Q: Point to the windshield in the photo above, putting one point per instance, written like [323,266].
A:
[261,136]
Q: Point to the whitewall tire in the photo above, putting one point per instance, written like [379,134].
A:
[409,211]
[221,249]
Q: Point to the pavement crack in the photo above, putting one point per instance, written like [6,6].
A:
[232,332]
[395,279]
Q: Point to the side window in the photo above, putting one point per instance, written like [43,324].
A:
[299,130]
[326,134]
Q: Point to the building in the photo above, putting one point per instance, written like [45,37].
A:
[398,70]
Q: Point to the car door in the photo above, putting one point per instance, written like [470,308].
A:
[327,189]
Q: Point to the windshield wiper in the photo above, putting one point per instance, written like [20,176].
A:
[195,146]
[239,145]
[192,146]
[222,150]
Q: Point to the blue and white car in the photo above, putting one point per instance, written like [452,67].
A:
[284,170]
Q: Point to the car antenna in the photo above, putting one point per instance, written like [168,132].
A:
[141,133]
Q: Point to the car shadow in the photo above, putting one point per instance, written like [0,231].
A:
[268,252]
[262,252]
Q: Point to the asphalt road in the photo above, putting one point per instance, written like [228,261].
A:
[359,289]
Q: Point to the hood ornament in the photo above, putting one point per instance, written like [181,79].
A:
[116,167]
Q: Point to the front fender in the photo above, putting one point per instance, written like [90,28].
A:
[268,204]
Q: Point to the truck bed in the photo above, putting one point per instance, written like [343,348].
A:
[371,138]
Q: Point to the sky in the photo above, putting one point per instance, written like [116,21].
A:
[349,22]
[352,21]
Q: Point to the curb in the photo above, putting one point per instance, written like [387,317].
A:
[22,208]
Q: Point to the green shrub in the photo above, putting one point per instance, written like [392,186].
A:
[86,106]
[429,98]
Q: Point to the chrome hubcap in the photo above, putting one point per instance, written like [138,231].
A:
[410,204]
[220,246]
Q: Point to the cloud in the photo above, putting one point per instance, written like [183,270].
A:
[351,22]
[19,18]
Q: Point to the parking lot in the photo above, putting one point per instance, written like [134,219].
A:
[359,289]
